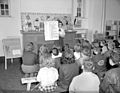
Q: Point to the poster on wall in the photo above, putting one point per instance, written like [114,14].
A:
[51,30]
[35,21]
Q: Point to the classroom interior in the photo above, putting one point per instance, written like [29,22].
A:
[82,19]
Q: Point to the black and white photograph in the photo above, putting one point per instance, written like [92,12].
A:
[59,46]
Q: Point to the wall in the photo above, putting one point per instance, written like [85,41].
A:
[94,14]
[9,26]
[112,9]
[46,6]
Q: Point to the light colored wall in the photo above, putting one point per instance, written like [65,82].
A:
[94,14]
[112,9]
[46,6]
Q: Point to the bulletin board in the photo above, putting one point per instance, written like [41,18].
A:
[12,47]
[66,19]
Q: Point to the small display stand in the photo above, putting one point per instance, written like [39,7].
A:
[12,49]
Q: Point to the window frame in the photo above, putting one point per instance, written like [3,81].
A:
[9,9]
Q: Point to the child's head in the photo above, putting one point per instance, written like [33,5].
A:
[86,51]
[97,50]
[77,47]
[43,50]
[102,43]
[47,61]
[115,57]
[95,44]
[66,47]
[55,51]
[67,57]
[87,65]
[111,45]
[29,47]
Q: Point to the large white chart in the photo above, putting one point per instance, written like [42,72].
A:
[51,30]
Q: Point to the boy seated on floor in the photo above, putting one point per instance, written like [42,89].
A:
[29,65]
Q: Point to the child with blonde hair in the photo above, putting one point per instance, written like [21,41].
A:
[48,74]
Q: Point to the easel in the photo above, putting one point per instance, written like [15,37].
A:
[11,48]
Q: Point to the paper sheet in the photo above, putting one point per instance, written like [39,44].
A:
[16,52]
[51,30]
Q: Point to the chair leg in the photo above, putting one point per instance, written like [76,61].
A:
[28,86]
[5,64]
[11,60]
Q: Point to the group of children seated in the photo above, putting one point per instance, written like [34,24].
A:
[81,69]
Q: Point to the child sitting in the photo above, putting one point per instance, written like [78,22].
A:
[56,53]
[100,63]
[85,54]
[68,69]
[77,49]
[29,65]
[47,75]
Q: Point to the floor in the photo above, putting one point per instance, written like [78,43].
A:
[11,78]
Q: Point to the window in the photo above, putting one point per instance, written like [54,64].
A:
[4,8]
[79,14]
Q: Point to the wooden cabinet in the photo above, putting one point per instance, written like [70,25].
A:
[70,38]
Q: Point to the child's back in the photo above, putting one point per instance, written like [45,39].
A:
[29,58]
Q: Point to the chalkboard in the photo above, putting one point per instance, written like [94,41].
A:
[12,47]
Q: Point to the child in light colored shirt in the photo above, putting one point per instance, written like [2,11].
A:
[47,75]
[86,82]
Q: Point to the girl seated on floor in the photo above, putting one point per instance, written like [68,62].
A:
[48,74]
[30,61]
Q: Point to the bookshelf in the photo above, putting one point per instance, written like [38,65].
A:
[112,29]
